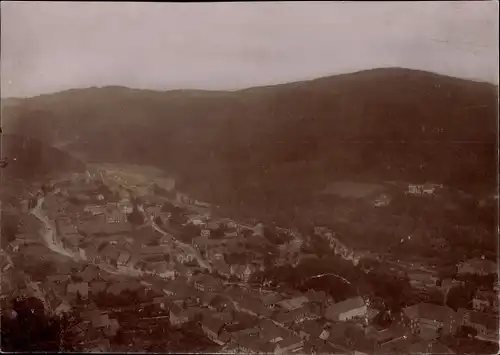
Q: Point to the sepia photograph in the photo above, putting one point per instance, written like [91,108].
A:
[250,177]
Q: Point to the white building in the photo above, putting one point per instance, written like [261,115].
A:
[351,308]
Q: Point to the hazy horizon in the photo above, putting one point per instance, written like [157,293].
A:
[52,47]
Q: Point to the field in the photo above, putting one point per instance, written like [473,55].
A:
[352,189]
[136,174]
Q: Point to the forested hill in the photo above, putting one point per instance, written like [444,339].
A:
[286,140]
[28,158]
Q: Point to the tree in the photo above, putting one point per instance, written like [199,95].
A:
[219,232]
[75,201]
[460,297]
[120,337]
[9,228]
[31,329]
[135,218]
[382,319]
[435,297]
[465,331]
[32,202]
[178,217]
[189,232]
[158,221]
[167,207]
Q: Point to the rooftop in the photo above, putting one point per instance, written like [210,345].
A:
[488,320]
[213,324]
[429,311]
[344,306]
[290,341]
[271,298]
[294,303]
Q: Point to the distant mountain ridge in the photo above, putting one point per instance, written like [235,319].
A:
[264,143]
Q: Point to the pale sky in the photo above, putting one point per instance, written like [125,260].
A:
[48,47]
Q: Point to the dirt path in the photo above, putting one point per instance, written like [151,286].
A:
[49,235]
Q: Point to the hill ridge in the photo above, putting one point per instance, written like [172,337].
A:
[381,70]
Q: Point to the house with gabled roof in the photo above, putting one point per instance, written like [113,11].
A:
[252,306]
[486,300]
[316,296]
[382,336]
[243,272]
[179,316]
[250,344]
[349,309]
[291,344]
[270,332]
[310,329]
[293,303]
[284,318]
[486,324]
[270,300]
[205,283]
[124,258]
[153,211]
[213,329]
[422,280]
[429,319]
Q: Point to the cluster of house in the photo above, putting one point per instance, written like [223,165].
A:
[111,212]
[423,279]
[314,321]
[184,199]
[485,300]
[477,266]
[60,294]
[244,320]
[338,247]
[278,324]
[430,320]
[423,189]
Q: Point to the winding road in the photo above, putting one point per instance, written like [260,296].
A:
[49,235]
[188,249]
[54,243]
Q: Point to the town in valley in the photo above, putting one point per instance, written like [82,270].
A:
[249,177]
[131,266]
